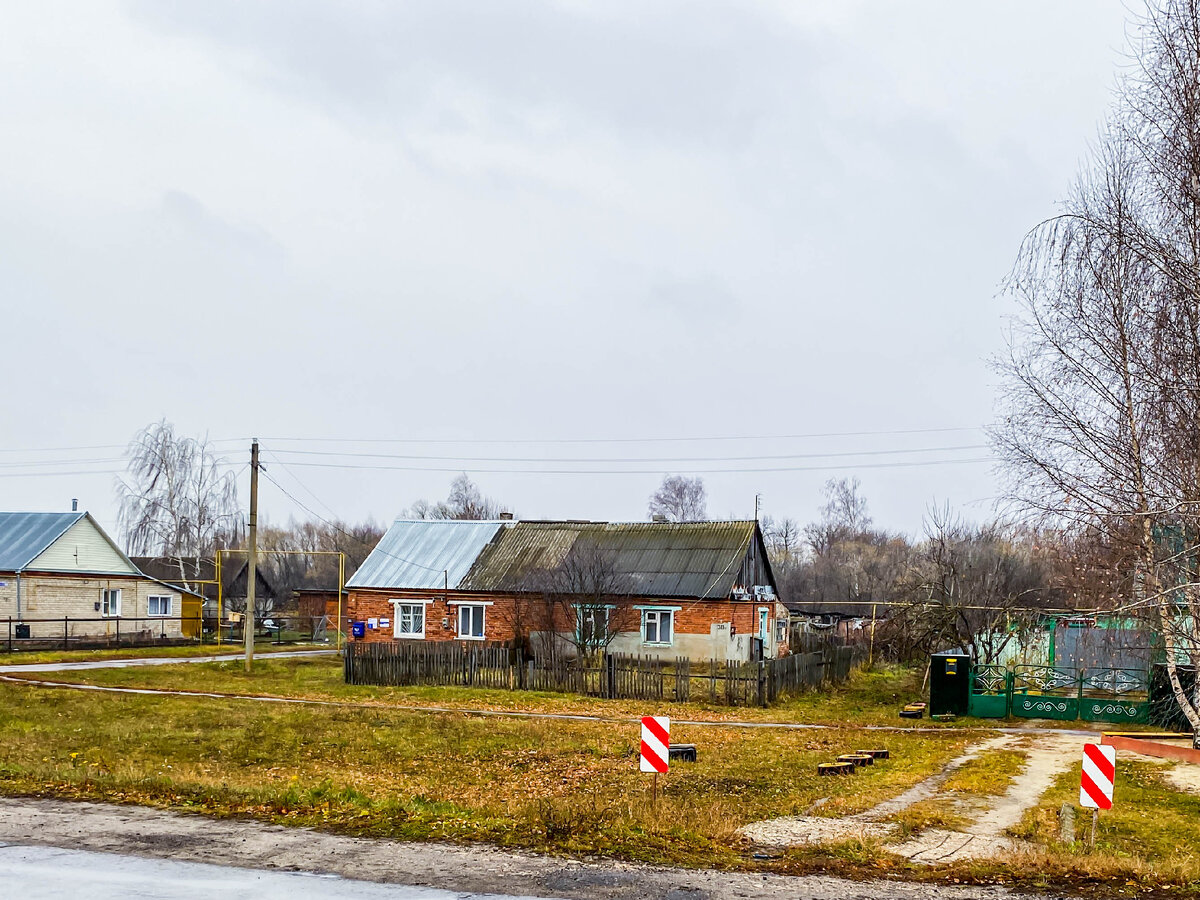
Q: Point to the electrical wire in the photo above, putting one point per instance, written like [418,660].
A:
[635,459]
[495,471]
[337,527]
[649,440]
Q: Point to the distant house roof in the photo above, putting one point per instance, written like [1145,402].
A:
[24,535]
[424,554]
[201,571]
[689,559]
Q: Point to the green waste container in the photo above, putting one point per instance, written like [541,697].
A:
[949,684]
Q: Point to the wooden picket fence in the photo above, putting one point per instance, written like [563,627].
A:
[610,676]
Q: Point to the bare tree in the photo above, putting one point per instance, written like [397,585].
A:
[583,601]
[783,545]
[843,515]
[1102,431]
[465,501]
[680,499]
[178,499]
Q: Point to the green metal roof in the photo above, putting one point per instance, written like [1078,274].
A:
[659,559]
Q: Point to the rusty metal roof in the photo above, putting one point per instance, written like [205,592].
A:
[688,559]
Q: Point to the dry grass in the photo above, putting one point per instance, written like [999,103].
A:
[569,786]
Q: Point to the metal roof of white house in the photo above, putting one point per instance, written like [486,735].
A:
[24,535]
[425,554]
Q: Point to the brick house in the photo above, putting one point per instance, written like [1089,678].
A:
[63,565]
[704,590]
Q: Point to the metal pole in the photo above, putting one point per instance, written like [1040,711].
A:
[871,650]
[220,609]
[1095,819]
[251,563]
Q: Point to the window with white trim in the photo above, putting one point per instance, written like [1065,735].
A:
[409,620]
[658,626]
[764,628]
[158,605]
[781,628]
[110,602]
[470,621]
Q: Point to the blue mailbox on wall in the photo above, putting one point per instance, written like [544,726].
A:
[358,629]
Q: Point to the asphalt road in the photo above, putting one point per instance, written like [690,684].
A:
[66,666]
[48,873]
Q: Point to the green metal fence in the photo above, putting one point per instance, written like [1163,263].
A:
[990,687]
[1115,695]
[1045,692]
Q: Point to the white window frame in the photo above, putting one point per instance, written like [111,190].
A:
[481,609]
[160,614]
[781,631]
[107,595]
[764,624]
[658,612]
[397,617]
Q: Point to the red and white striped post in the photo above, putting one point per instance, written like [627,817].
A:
[1096,780]
[656,747]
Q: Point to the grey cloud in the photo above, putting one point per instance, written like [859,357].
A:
[697,72]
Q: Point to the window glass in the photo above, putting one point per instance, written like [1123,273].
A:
[657,625]
[158,605]
[410,619]
[470,621]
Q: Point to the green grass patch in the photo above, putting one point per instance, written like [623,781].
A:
[868,698]
[32,657]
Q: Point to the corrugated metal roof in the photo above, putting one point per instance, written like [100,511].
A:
[689,559]
[24,535]
[424,554]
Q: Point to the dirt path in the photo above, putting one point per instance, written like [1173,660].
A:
[164,835]
[791,831]
[1052,755]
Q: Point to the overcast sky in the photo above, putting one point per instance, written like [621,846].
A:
[509,221]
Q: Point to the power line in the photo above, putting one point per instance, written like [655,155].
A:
[636,459]
[339,528]
[493,471]
[638,440]
[124,446]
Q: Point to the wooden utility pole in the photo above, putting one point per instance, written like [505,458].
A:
[251,557]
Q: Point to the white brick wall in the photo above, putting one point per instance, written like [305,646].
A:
[55,596]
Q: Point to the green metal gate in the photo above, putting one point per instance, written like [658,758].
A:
[1115,695]
[1045,692]
[989,692]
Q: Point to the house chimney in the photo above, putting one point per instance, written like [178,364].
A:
[506,517]
[74,504]
[658,518]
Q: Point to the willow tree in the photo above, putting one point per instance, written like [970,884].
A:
[178,499]
[1101,431]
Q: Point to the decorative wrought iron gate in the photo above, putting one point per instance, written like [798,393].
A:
[1045,692]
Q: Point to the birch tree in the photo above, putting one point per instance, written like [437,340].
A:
[178,499]
[1102,425]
